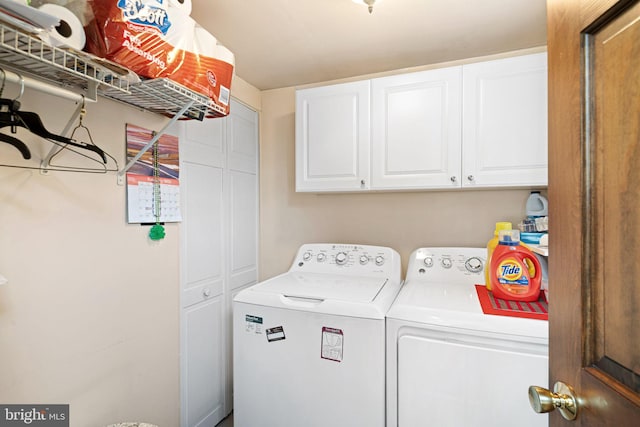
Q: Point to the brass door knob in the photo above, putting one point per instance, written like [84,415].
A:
[563,398]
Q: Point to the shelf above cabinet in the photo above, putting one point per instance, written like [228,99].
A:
[77,72]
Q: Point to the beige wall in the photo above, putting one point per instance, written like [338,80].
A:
[90,315]
[401,220]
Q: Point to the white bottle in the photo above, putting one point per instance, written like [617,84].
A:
[537,205]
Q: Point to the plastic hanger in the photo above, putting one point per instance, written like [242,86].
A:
[11,115]
[19,145]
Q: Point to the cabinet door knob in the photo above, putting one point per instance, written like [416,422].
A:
[454,179]
[362,182]
[470,178]
[206,293]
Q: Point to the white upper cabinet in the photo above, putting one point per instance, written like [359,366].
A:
[479,125]
[505,122]
[332,137]
[416,130]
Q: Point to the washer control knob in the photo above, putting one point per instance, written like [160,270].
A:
[341,258]
[321,257]
[428,261]
[446,262]
[379,260]
[364,259]
[307,256]
[473,265]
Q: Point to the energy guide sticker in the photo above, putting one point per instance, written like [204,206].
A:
[332,344]
[253,324]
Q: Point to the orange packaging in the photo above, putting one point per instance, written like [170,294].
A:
[154,40]
[515,271]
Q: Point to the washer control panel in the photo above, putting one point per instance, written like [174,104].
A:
[343,258]
[447,264]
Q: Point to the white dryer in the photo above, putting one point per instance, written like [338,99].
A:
[309,344]
[448,363]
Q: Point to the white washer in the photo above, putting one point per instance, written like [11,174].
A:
[448,364]
[309,344]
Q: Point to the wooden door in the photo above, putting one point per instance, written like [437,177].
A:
[594,192]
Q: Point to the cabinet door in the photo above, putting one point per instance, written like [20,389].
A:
[332,137]
[505,122]
[416,137]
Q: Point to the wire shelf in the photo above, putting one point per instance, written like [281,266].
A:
[164,96]
[30,55]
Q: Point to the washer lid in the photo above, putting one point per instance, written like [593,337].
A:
[352,296]
[457,306]
[323,286]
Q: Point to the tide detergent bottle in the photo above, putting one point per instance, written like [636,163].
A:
[515,270]
[491,246]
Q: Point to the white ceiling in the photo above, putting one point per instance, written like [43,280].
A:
[280,43]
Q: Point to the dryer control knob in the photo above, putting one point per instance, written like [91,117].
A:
[379,260]
[321,257]
[307,256]
[428,261]
[341,258]
[364,259]
[447,263]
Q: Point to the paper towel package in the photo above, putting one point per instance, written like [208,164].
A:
[158,38]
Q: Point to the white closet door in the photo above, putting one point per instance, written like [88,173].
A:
[243,194]
[242,179]
[219,253]
[203,280]
[202,358]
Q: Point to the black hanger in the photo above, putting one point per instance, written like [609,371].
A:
[21,146]
[10,115]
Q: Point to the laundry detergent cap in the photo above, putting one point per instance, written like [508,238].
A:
[509,237]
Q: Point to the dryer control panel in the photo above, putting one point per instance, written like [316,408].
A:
[361,260]
[447,265]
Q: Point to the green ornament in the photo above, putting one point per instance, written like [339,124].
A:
[157,232]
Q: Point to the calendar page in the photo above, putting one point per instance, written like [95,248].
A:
[141,182]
